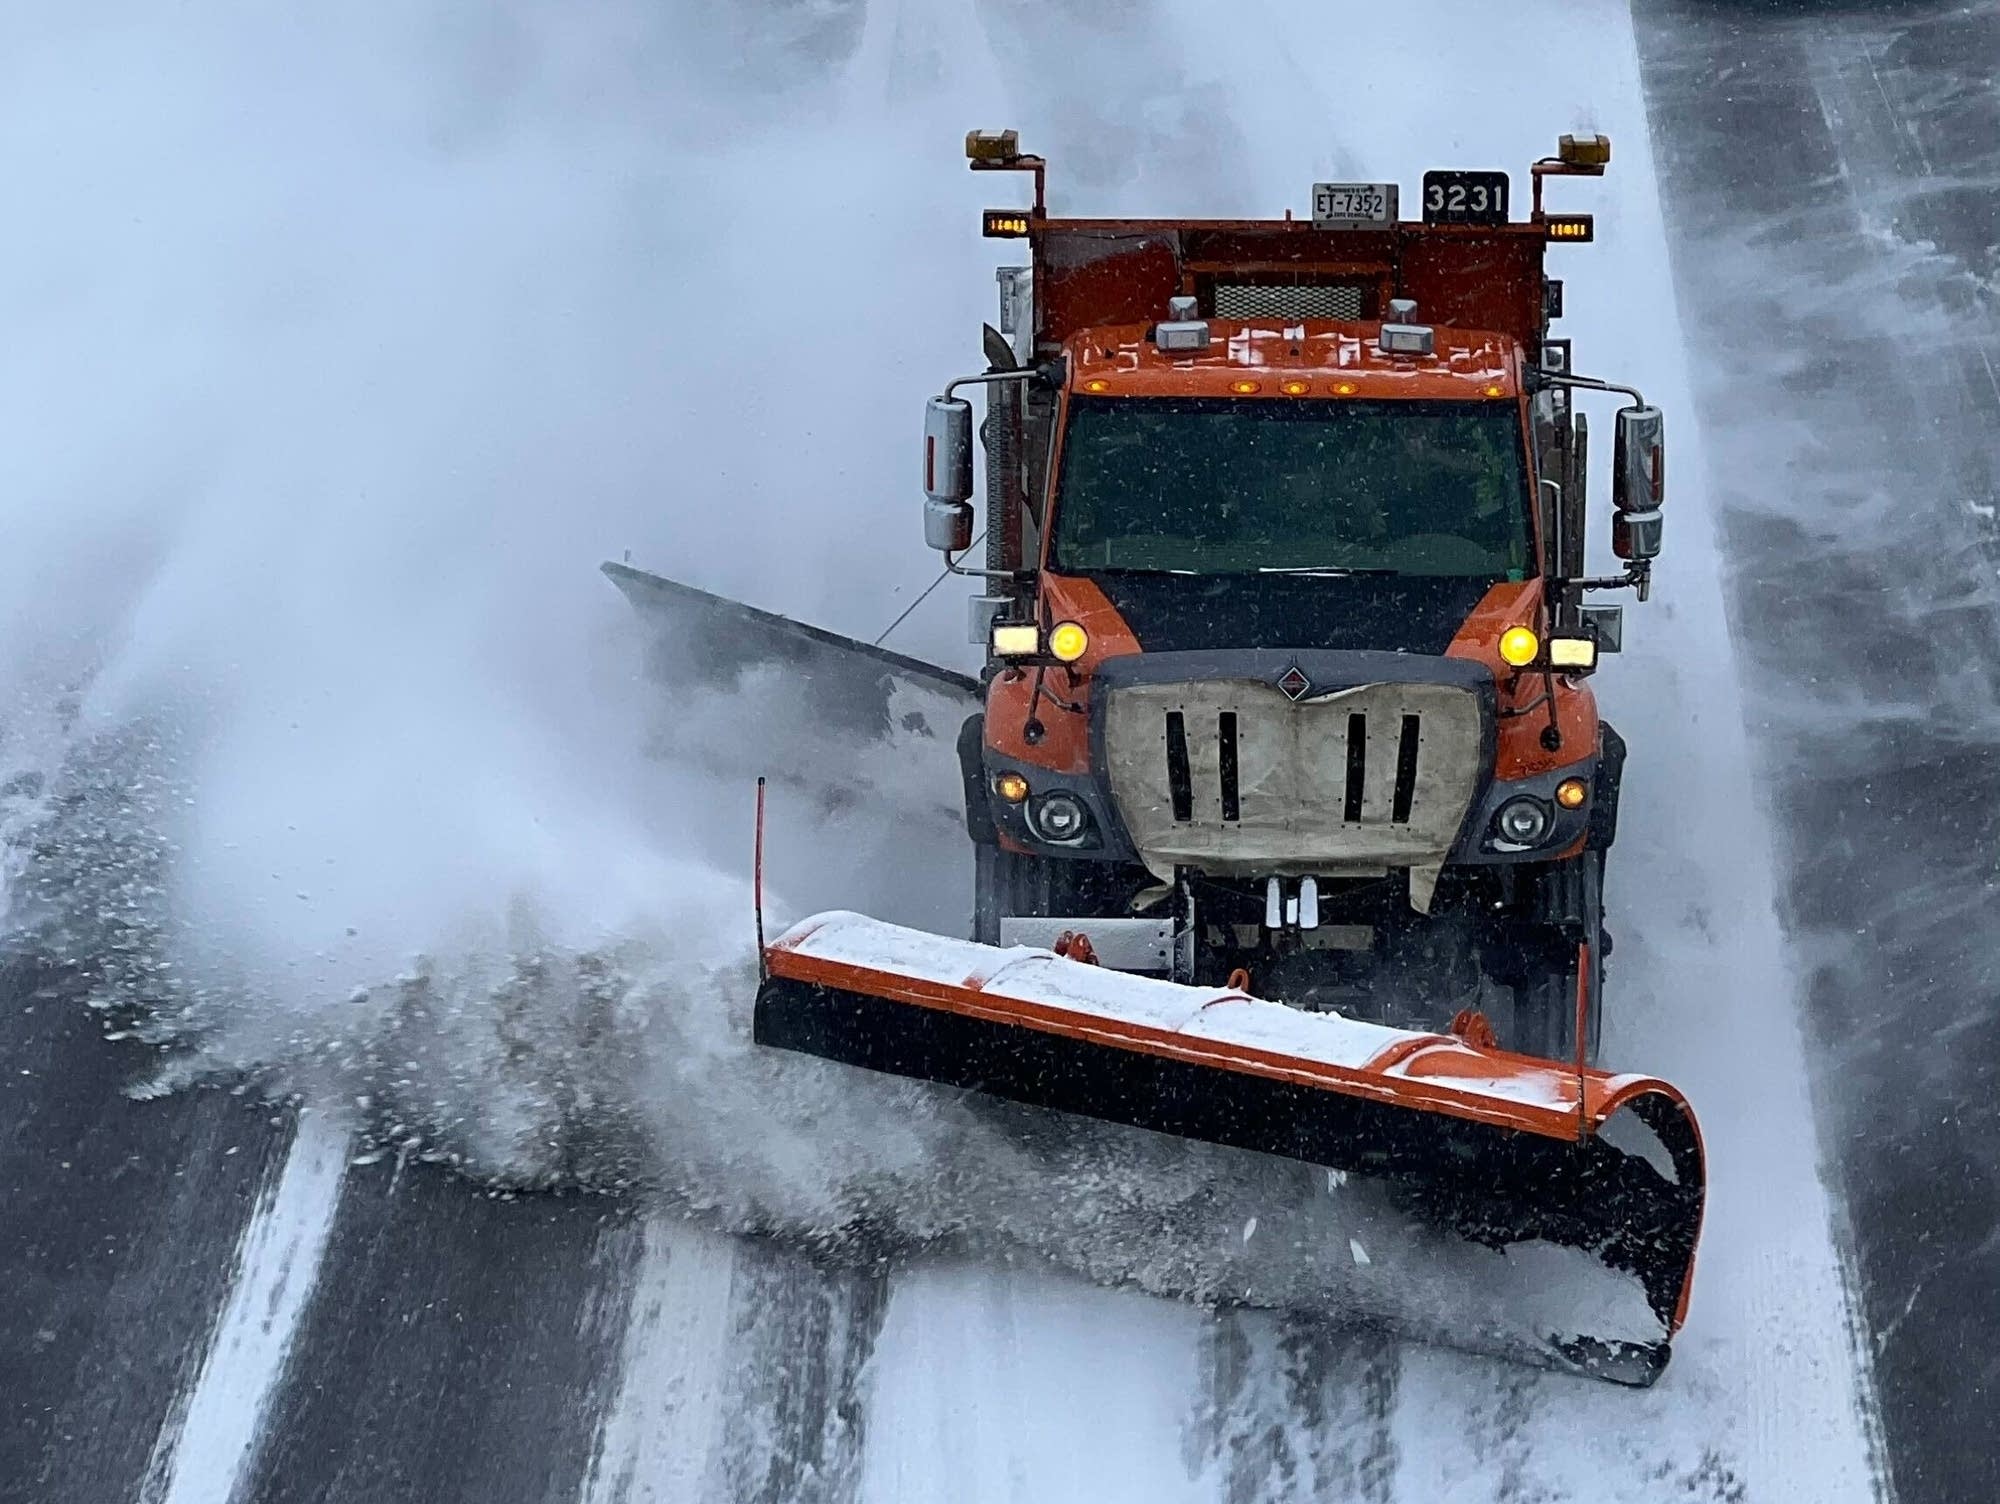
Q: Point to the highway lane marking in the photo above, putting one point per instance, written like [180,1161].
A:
[660,1438]
[210,1438]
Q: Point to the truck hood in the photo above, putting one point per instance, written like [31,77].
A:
[1170,613]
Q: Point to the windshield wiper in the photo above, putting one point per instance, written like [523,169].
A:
[1321,571]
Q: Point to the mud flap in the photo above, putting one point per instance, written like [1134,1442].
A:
[1507,1153]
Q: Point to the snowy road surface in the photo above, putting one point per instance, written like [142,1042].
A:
[213,1301]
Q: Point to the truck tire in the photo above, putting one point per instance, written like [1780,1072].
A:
[972,769]
[1603,828]
[1008,884]
[1545,999]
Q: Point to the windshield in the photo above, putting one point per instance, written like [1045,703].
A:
[1239,486]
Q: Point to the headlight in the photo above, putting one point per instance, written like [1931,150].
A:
[1522,821]
[1068,641]
[1016,639]
[1059,818]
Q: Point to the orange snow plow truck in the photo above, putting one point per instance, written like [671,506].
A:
[1286,787]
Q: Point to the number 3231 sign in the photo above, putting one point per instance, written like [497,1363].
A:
[1465,198]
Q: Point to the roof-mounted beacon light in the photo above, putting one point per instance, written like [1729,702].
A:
[1576,157]
[1184,328]
[1584,151]
[1000,151]
[999,146]
[1402,334]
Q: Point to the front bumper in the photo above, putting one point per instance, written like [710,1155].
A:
[1324,842]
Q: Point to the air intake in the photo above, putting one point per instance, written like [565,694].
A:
[1295,300]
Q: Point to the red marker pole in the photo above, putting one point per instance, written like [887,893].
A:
[757,879]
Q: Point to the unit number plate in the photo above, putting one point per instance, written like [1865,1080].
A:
[1336,204]
[1465,198]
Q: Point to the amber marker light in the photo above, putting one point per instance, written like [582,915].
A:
[1519,645]
[1011,786]
[1343,389]
[1068,642]
[1496,391]
[1097,384]
[1245,388]
[1003,224]
[1571,793]
[1296,388]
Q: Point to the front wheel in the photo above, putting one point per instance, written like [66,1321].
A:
[1561,959]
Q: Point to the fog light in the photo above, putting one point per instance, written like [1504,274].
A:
[1519,645]
[1011,786]
[1068,642]
[1571,793]
[1059,818]
[1523,821]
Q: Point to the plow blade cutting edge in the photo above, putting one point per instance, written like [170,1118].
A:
[1502,1150]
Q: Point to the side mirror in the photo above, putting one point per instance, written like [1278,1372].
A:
[1638,483]
[948,474]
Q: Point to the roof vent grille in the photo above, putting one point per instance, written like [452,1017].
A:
[1287,300]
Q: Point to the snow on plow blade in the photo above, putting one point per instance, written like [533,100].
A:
[1502,1150]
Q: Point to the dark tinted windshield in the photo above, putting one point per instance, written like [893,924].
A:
[1221,486]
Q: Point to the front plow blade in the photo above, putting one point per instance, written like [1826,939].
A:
[1505,1151]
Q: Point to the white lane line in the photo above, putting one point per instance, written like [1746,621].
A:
[209,1441]
[1003,1386]
[660,1440]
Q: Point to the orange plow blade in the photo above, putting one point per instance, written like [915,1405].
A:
[1506,1151]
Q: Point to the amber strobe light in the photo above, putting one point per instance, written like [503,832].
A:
[1068,642]
[1571,793]
[1519,645]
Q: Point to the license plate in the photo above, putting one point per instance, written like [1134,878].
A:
[1336,204]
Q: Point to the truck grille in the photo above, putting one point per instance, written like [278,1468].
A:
[1231,776]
